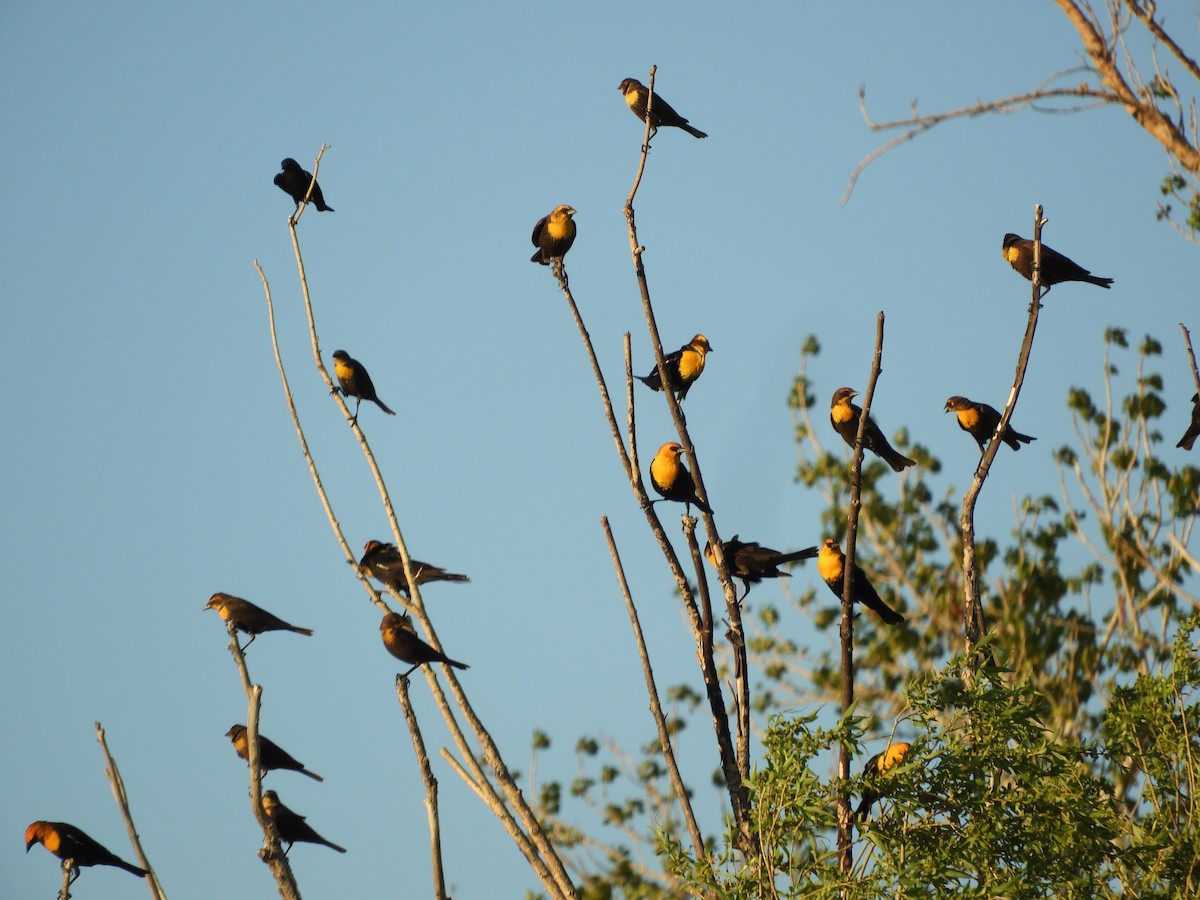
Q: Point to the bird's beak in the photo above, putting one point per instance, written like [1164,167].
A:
[29,843]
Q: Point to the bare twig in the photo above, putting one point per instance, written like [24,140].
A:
[118,788]
[660,720]
[973,618]
[1187,340]
[271,852]
[528,834]
[845,828]
[431,788]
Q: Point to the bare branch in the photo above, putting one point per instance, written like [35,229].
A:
[118,788]
[431,788]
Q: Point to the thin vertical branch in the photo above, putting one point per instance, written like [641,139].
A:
[845,828]
[271,852]
[735,761]
[118,788]
[528,835]
[64,893]
[1187,340]
[660,719]
[431,788]
[974,624]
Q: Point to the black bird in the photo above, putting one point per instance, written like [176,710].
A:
[671,478]
[294,182]
[875,767]
[980,420]
[661,112]
[752,562]
[402,642]
[68,842]
[383,563]
[553,235]
[1056,268]
[831,563]
[683,366]
[1189,436]
[844,416]
[291,825]
[355,381]
[251,619]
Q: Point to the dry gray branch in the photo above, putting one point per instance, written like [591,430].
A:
[118,788]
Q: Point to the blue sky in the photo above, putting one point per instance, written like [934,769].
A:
[150,460]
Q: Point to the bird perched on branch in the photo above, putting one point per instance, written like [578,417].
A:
[291,825]
[661,112]
[683,367]
[553,235]
[752,562]
[402,642]
[980,420]
[671,479]
[831,563]
[270,755]
[1056,268]
[294,182]
[356,381]
[383,563]
[844,416]
[247,617]
[1189,436]
[70,843]
[876,766]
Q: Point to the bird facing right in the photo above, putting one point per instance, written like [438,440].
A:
[876,766]
[683,367]
[1189,436]
[671,478]
[553,235]
[751,562]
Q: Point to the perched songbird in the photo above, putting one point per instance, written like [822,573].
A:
[683,367]
[876,766]
[270,754]
[844,416]
[383,563]
[752,562]
[661,112]
[355,381]
[291,825]
[68,842]
[294,182]
[1056,268]
[980,420]
[1189,436]
[247,617]
[402,642]
[831,563]
[671,479]
[553,235]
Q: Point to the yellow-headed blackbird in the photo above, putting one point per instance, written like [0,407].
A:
[661,112]
[1056,268]
[876,766]
[402,642]
[671,479]
[752,562]
[553,235]
[68,842]
[1189,436]
[383,563]
[844,416]
[980,420]
[831,563]
[270,754]
[355,381]
[683,367]
[247,617]
[291,825]
[294,182]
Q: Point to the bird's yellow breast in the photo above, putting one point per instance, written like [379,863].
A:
[691,364]
[633,97]
[664,469]
[50,840]
[967,418]
[829,564]
[841,412]
[341,369]
[559,227]
[1011,253]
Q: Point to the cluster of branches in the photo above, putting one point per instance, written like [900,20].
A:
[1134,63]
